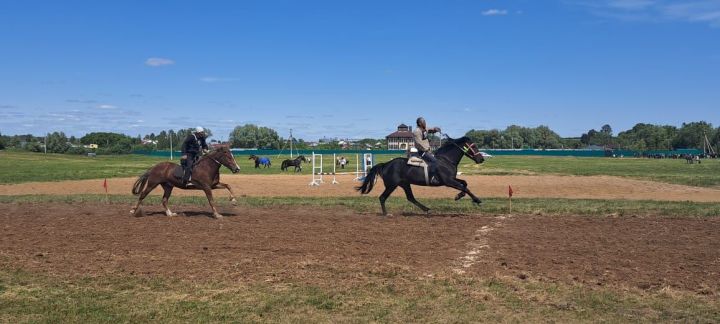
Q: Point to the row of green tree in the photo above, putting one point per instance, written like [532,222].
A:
[253,136]
[641,137]
[58,142]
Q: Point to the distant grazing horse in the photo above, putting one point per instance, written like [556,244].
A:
[260,160]
[397,173]
[692,159]
[297,163]
[205,177]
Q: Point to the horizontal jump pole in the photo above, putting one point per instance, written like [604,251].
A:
[334,173]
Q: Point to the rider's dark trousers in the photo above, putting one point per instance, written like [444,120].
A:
[431,161]
[188,164]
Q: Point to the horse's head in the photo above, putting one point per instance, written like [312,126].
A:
[223,156]
[252,157]
[467,147]
[302,158]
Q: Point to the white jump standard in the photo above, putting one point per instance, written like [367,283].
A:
[360,173]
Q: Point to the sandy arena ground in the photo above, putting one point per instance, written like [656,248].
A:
[591,187]
[338,247]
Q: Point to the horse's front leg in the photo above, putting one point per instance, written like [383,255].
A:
[461,193]
[455,183]
[208,194]
[229,189]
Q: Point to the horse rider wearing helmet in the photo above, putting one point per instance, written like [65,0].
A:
[420,134]
[193,146]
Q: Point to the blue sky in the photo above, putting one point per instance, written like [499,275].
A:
[354,69]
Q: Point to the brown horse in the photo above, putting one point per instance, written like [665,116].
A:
[205,177]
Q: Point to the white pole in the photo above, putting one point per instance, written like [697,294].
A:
[334,171]
[357,167]
[291,140]
[171,149]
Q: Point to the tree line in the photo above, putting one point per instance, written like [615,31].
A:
[641,137]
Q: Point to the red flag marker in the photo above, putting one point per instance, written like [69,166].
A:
[105,185]
[510,193]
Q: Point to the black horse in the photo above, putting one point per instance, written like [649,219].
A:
[297,163]
[397,173]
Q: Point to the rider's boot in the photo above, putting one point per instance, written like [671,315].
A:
[434,178]
[434,181]
[186,177]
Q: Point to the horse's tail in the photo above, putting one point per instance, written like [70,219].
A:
[369,181]
[140,183]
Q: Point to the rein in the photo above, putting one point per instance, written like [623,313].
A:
[465,148]
[216,161]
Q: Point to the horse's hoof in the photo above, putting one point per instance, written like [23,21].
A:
[233,201]
[136,213]
[217,216]
[171,214]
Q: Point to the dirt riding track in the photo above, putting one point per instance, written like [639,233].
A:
[594,187]
[341,247]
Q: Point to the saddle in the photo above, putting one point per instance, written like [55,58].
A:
[179,171]
[416,161]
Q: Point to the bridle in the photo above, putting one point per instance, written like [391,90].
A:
[213,159]
[470,150]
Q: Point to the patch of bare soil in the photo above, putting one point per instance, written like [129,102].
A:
[341,247]
[645,253]
[258,244]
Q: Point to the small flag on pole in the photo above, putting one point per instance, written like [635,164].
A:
[105,185]
[510,193]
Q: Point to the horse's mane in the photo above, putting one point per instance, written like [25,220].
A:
[215,151]
[452,143]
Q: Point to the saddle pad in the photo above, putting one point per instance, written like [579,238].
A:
[416,161]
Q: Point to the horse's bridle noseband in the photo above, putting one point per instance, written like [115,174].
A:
[472,148]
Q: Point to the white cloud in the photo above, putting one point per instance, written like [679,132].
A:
[158,61]
[106,107]
[495,12]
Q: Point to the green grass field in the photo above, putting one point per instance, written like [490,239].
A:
[706,174]
[25,167]
[28,167]
[388,296]
[35,298]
